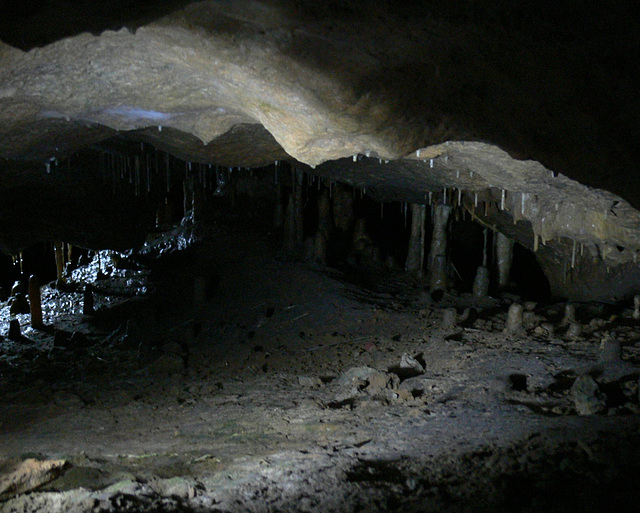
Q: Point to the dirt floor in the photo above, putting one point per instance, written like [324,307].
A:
[227,376]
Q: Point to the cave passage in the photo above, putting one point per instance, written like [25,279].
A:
[298,256]
[274,318]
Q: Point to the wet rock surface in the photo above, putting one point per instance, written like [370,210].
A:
[293,389]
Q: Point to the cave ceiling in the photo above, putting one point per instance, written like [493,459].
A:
[532,109]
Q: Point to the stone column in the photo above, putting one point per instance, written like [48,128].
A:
[504,253]
[290,224]
[59,252]
[437,262]
[294,219]
[278,214]
[415,251]
[197,201]
[35,303]
[323,231]
[481,282]
[343,216]
[298,209]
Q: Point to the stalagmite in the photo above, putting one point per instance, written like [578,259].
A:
[320,247]
[362,248]
[87,301]
[481,282]
[610,349]
[569,315]
[514,319]
[504,253]
[14,330]
[437,260]
[449,318]
[636,306]
[35,303]
[59,253]
[574,331]
[415,252]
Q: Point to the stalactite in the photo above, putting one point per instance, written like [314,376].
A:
[35,303]
[415,253]
[504,254]
[437,254]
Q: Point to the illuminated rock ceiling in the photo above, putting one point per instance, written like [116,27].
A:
[527,120]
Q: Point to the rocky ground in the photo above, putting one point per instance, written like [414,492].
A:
[228,376]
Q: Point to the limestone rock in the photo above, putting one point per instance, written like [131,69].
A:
[309,381]
[408,362]
[168,364]
[28,475]
[362,381]
[587,397]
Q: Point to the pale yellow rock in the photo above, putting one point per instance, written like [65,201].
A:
[29,475]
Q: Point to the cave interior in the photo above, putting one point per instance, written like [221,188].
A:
[282,255]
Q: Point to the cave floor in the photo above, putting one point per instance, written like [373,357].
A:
[293,387]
